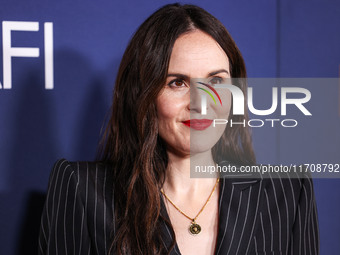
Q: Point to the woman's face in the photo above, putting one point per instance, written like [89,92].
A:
[181,123]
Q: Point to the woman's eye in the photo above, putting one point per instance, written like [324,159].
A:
[177,84]
[216,80]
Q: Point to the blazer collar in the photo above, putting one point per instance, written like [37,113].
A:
[238,208]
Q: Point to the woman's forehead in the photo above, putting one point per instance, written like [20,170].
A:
[197,53]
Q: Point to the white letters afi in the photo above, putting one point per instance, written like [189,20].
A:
[9,51]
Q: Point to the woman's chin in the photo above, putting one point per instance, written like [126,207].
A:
[203,143]
[199,147]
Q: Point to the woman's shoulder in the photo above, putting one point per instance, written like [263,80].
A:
[293,182]
[277,178]
[79,199]
[86,174]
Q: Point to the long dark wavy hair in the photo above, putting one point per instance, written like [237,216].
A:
[131,143]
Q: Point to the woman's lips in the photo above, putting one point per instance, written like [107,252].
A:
[198,124]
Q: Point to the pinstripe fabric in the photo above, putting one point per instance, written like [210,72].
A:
[78,213]
[256,216]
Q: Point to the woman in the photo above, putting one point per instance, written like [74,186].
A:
[139,197]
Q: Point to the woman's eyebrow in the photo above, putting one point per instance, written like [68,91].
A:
[178,75]
[218,71]
[186,77]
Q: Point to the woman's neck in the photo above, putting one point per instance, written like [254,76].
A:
[178,181]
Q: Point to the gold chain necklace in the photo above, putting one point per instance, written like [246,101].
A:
[194,228]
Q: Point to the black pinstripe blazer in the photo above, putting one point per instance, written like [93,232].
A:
[256,216]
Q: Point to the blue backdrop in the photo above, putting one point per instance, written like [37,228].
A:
[54,100]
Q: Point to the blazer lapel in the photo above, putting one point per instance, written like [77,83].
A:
[239,200]
[166,232]
[238,207]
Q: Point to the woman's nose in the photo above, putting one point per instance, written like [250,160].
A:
[198,100]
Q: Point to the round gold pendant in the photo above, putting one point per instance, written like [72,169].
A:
[194,228]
